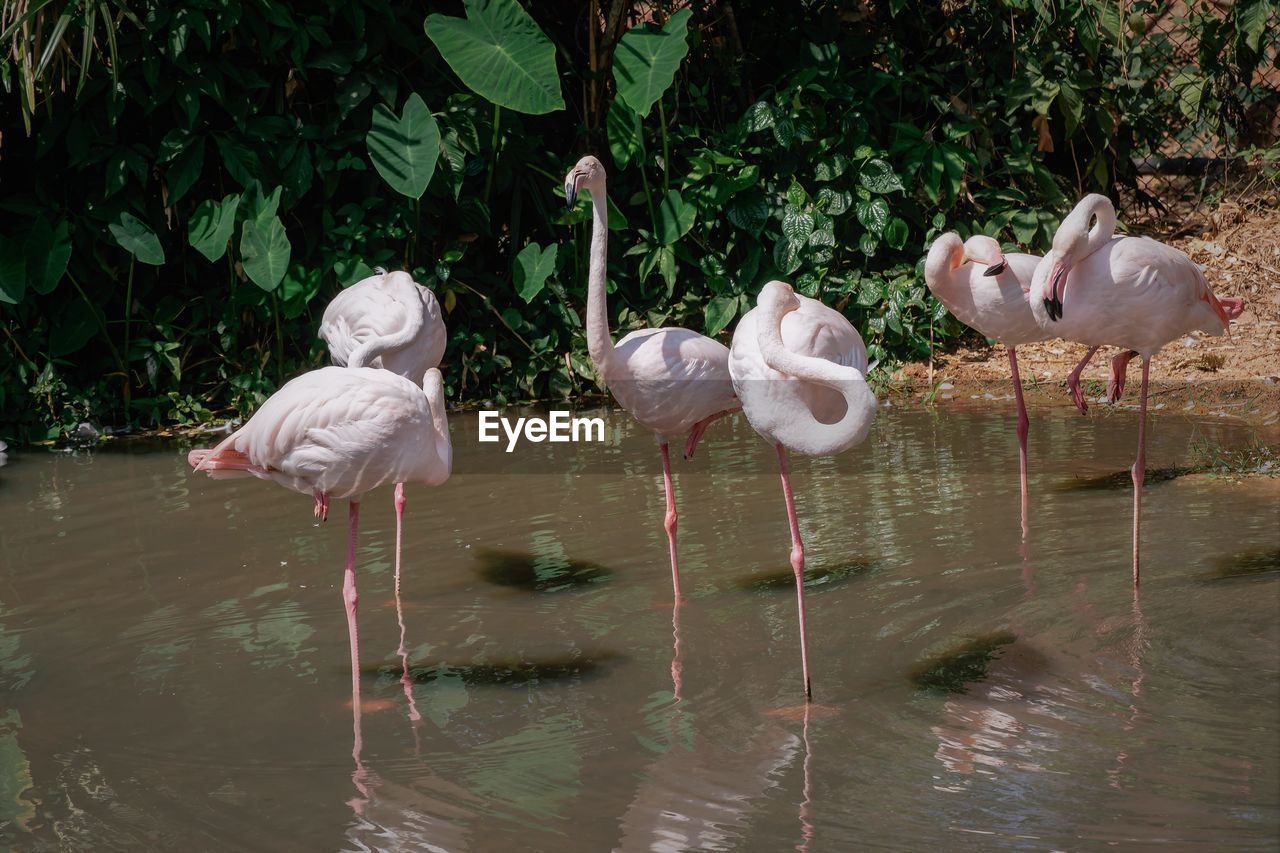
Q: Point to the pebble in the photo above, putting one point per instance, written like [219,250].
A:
[945,386]
[1189,342]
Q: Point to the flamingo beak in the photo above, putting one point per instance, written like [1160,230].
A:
[1057,288]
[571,190]
[997,268]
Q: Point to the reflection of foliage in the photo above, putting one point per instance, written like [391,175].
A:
[274,634]
[537,770]
[15,666]
[16,806]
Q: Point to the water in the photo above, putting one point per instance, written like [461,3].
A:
[174,670]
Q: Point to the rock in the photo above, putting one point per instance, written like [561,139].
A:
[86,431]
[1189,342]
[945,386]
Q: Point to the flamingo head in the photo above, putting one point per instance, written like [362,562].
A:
[778,296]
[982,249]
[1055,283]
[587,173]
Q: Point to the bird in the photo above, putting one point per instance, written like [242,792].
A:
[1133,292]
[673,381]
[991,296]
[799,368]
[337,433]
[390,321]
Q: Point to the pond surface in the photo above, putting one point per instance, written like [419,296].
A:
[174,670]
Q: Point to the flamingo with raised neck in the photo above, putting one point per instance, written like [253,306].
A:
[673,381]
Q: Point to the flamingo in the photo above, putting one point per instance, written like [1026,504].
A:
[386,320]
[1133,292]
[990,296]
[673,381]
[799,369]
[339,432]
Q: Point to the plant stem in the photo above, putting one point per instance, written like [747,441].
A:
[128,310]
[417,227]
[275,312]
[666,152]
[101,325]
[493,159]
[644,178]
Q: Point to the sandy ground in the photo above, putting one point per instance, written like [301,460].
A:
[1236,376]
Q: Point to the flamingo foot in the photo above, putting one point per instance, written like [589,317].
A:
[799,712]
[695,435]
[1119,372]
[1232,305]
[1077,396]
[322,506]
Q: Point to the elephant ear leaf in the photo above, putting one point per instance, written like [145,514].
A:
[211,225]
[645,62]
[48,252]
[405,148]
[137,239]
[265,250]
[13,270]
[500,54]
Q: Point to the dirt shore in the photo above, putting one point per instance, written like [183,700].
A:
[1236,376]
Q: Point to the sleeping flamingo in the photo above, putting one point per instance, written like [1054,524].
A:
[672,381]
[339,432]
[990,296]
[1133,292]
[800,368]
[387,320]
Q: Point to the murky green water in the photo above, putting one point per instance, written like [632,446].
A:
[174,667]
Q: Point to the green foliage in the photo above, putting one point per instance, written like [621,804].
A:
[250,155]
[500,54]
[404,149]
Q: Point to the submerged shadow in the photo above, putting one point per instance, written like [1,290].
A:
[1244,565]
[815,577]
[1122,480]
[951,671]
[537,574]
[513,671]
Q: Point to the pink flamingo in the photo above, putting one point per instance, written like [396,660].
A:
[800,368]
[339,432]
[390,321]
[672,381]
[990,296]
[1133,292]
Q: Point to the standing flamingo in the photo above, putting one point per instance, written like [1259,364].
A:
[1132,292]
[387,320]
[672,381]
[339,432]
[799,368]
[990,296]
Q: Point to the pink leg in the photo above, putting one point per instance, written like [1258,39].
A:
[1023,424]
[1073,382]
[797,566]
[695,435]
[677,666]
[672,518]
[406,680]
[322,506]
[1119,371]
[351,600]
[1139,470]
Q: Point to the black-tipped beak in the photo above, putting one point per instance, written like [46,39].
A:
[570,194]
[996,269]
[1054,307]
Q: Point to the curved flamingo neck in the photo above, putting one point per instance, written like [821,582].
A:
[599,341]
[433,387]
[364,354]
[802,432]
[944,258]
[1077,223]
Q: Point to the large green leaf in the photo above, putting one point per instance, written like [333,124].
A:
[259,208]
[533,266]
[265,250]
[48,251]
[624,133]
[137,239]
[500,54]
[13,270]
[405,148]
[646,59]
[675,218]
[879,177]
[211,225]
